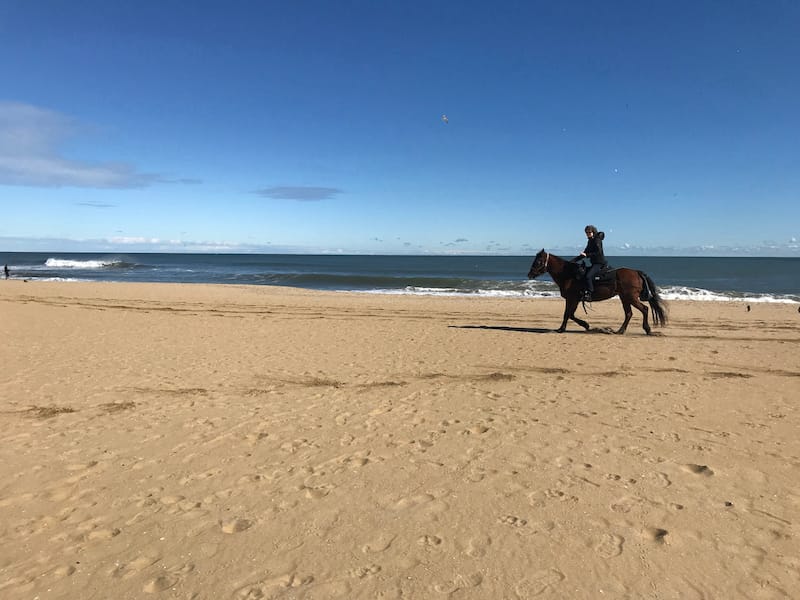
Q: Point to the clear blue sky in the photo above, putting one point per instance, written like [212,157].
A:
[317,126]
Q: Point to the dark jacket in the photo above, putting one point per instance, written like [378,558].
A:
[594,249]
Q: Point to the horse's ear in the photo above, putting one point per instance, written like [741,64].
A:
[542,250]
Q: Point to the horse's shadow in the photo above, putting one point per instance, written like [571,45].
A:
[604,330]
[504,328]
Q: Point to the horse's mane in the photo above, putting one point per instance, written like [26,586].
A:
[570,267]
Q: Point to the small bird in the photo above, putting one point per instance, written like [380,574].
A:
[445,120]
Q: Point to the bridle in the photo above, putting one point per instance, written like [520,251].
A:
[544,268]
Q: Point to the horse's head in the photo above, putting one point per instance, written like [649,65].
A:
[539,265]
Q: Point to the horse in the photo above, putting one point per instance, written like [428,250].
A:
[632,286]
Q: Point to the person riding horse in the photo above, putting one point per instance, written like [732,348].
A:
[633,287]
[594,252]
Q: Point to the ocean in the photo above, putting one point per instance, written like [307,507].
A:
[686,278]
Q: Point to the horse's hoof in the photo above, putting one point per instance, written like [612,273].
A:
[562,330]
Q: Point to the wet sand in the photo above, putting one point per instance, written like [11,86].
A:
[193,441]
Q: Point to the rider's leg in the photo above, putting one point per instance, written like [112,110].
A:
[590,273]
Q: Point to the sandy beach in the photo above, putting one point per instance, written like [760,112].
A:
[196,441]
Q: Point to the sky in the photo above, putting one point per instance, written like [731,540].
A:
[318,126]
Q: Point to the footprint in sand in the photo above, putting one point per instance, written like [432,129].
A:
[128,570]
[625,504]
[273,587]
[363,572]
[200,476]
[459,582]
[477,474]
[477,546]
[475,430]
[102,534]
[513,521]
[169,579]
[298,444]
[343,418]
[235,525]
[249,479]
[63,571]
[255,437]
[610,545]
[379,544]
[703,470]
[412,501]
[655,534]
[657,479]
[538,583]
[541,498]
[170,500]
[317,492]
[160,583]
[430,541]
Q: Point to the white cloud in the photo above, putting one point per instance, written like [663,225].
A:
[123,243]
[134,240]
[30,139]
[140,244]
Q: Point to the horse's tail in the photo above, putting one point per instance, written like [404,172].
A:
[650,295]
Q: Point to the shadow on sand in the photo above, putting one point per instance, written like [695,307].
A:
[603,330]
[502,328]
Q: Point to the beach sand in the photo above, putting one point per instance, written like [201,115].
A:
[194,441]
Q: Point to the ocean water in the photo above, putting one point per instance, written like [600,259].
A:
[688,278]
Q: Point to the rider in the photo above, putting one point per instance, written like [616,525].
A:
[594,252]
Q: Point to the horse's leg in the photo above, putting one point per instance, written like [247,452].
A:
[626,306]
[563,327]
[570,304]
[644,310]
[580,322]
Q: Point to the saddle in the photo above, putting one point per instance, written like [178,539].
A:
[606,275]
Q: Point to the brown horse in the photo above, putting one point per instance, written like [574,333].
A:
[630,285]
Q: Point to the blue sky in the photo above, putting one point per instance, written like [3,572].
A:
[301,126]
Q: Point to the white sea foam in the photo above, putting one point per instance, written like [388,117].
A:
[701,295]
[668,293]
[428,291]
[63,263]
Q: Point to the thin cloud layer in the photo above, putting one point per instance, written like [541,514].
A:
[30,139]
[93,204]
[123,243]
[299,192]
